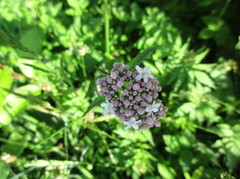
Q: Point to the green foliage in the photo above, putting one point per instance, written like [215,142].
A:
[4,170]
[51,122]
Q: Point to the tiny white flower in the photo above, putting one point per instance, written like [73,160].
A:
[143,73]
[132,123]
[82,51]
[108,108]
[152,108]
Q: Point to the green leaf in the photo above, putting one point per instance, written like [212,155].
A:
[198,173]
[7,39]
[223,130]
[141,57]
[96,102]
[4,170]
[166,172]
[214,23]
[85,172]
[200,55]
[6,80]
[172,143]
[37,68]
[32,39]
[102,71]
[182,80]
[14,149]
[185,159]
[203,78]
[206,34]
[174,75]
[15,104]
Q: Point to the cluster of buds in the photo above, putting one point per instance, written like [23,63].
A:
[132,96]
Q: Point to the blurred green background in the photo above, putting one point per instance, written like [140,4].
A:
[52,52]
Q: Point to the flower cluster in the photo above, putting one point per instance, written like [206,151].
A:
[132,96]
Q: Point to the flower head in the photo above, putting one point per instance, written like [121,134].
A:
[143,73]
[132,100]
[132,123]
[108,108]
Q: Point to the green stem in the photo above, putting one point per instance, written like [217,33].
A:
[66,141]
[83,67]
[205,129]
[107,28]
[224,8]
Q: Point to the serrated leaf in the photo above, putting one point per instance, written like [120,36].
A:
[96,102]
[200,54]
[203,78]
[182,80]
[172,144]
[141,56]
[233,155]
[174,76]
[223,130]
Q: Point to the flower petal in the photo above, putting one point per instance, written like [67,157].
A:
[157,124]
[146,69]
[112,111]
[157,105]
[135,127]
[137,122]
[104,105]
[139,70]
[138,77]
[154,109]
[145,79]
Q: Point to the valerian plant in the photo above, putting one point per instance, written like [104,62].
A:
[132,96]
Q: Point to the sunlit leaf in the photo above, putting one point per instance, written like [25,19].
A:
[204,78]
[32,39]
[166,171]
[6,80]
[7,39]
[14,104]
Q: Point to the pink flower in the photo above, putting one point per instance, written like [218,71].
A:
[114,75]
[140,110]
[120,84]
[136,86]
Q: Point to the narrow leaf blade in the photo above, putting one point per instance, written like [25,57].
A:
[96,102]
[36,68]
[141,56]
